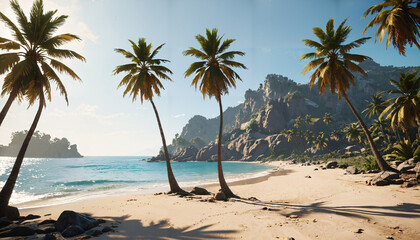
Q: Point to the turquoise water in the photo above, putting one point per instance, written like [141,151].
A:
[46,178]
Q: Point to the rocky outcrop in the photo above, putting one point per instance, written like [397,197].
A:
[352,170]
[273,117]
[383,178]
[209,153]
[70,219]
[186,154]
[407,166]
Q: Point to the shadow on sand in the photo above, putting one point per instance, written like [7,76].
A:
[405,210]
[161,230]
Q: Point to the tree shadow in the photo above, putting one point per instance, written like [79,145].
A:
[161,230]
[405,210]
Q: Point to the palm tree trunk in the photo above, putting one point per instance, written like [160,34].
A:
[7,190]
[223,185]
[381,162]
[6,107]
[173,184]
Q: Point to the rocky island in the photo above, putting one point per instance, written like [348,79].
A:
[40,146]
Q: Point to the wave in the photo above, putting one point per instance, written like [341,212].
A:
[95,182]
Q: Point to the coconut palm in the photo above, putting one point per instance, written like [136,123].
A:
[308,120]
[320,141]
[334,67]
[375,106]
[402,22]
[404,110]
[354,133]
[379,127]
[328,118]
[33,65]
[404,150]
[309,137]
[215,72]
[142,80]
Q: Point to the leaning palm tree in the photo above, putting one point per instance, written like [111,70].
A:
[142,80]
[404,110]
[33,69]
[215,72]
[402,22]
[334,65]
[375,106]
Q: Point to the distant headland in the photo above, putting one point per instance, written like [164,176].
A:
[41,146]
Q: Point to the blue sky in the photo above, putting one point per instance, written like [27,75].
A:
[102,122]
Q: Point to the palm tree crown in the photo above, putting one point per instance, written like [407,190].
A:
[144,71]
[214,70]
[332,60]
[375,106]
[32,56]
[404,110]
[402,22]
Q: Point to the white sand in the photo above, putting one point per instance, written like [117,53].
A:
[329,205]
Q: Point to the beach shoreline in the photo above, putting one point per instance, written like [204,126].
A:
[327,205]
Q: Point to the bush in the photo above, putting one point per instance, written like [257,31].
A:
[252,127]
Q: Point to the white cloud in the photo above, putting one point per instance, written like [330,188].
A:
[179,115]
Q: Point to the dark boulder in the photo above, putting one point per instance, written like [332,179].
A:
[406,165]
[351,170]
[200,191]
[331,164]
[47,221]
[71,218]
[4,222]
[21,231]
[220,196]
[72,231]
[12,213]
[383,178]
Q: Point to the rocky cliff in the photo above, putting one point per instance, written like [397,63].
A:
[274,106]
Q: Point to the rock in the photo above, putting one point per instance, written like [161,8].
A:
[410,183]
[107,229]
[406,165]
[72,231]
[31,217]
[200,191]
[220,196]
[360,230]
[308,177]
[186,154]
[331,164]
[94,232]
[47,221]
[383,178]
[68,218]
[315,169]
[12,213]
[209,153]
[100,221]
[49,237]
[374,171]
[4,222]
[417,170]
[397,181]
[21,231]
[351,170]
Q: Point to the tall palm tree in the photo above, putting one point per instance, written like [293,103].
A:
[402,22]
[33,65]
[334,65]
[328,118]
[375,106]
[404,110]
[215,72]
[142,80]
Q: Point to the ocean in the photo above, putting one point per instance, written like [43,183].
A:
[55,181]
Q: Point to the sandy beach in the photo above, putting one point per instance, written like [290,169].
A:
[289,205]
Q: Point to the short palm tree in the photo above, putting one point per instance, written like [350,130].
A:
[32,69]
[375,106]
[320,141]
[308,119]
[354,133]
[402,22]
[404,110]
[142,80]
[334,65]
[328,118]
[215,72]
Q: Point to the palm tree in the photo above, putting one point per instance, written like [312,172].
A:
[354,133]
[334,66]
[375,106]
[404,110]
[309,137]
[33,66]
[328,118]
[379,126]
[308,120]
[216,74]
[320,141]
[402,22]
[142,80]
